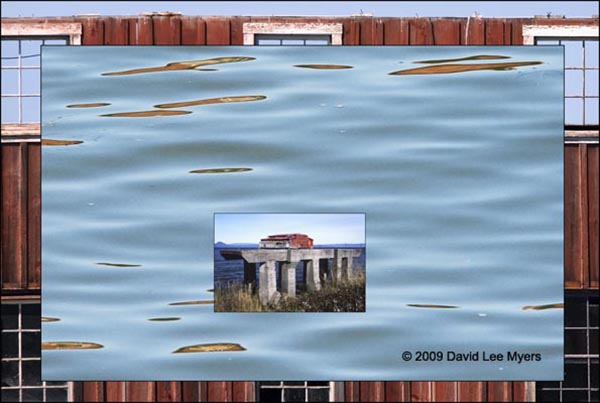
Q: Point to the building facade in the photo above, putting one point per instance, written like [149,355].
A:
[21,213]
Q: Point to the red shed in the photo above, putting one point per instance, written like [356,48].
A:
[285,241]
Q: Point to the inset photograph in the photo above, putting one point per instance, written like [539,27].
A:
[302,262]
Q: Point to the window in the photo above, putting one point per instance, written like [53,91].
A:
[581,75]
[21,49]
[258,33]
[296,392]
[581,354]
[21,356]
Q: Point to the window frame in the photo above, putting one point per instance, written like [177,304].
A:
[336,390]
[250,29]
[30,132]
[531,33]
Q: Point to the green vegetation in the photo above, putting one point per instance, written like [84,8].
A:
[348,296]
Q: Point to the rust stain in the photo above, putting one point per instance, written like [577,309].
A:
[464,59]
[185,65]
[543,307]
[205,302]
[324,66]
[51,142]
[90,105]
[145,114]
[211,101]
[210,348]
[70,345]
[461,68]
[219,170]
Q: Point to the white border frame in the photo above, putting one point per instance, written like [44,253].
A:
[530,32]
[23,29]
[293,28]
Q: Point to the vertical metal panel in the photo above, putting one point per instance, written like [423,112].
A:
[471,392]
[397,391]
[34,215]
[421,31]
[494,32]
[593,205]
[140,391]
[217,31]
[114,391]
[444,392]
[420,391]
[371,31]
[190,391]
[575,215]
[237,30]
[351,391]
[14,215]
[92,31]
[92,392]
[167,30]
[351,34]
[140,31]
[395,31]
[168,392]
[116,31]
[517,30]
[193,31]
[218,391]
[446,31]
[243,391]
[475,31]
[372,391]
[499,392]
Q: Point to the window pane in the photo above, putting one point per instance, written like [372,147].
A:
[10,345]
[32,373]
[573,82]
[591,82]
[547,396]
[271,383]
[575,375]
[10,50]
[10,373]
[30,81]
[292,42]
[318,395]
[295,395]
[575,312]
[319,42]
[594,374]
[591,53]
[270,395]
[10,81]
[31,342]
[31,109]
[573,53]
[55,42]
[10,110]
[318,383]
[30,316]
[575,342]
[56,395]
[30,52]
[575,396]
[594,312]
[268,42]
[594,341]
[289,383]
[546,42]
[591,111]
[32,395]
[10,395]
[10,314]
[574,111]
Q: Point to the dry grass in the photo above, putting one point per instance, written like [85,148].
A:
[348,296]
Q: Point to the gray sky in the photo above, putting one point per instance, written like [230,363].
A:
[378,8]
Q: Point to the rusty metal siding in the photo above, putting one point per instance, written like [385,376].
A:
[21,190]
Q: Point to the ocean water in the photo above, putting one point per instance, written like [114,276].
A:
[460,177]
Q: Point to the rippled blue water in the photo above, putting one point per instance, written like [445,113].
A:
[460,176]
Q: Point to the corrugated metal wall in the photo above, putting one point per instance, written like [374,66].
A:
[21,190]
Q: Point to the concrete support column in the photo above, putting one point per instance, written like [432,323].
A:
[288,278]
[267,286]
[249,273]
[347,267]
[313,282]
[336,269]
